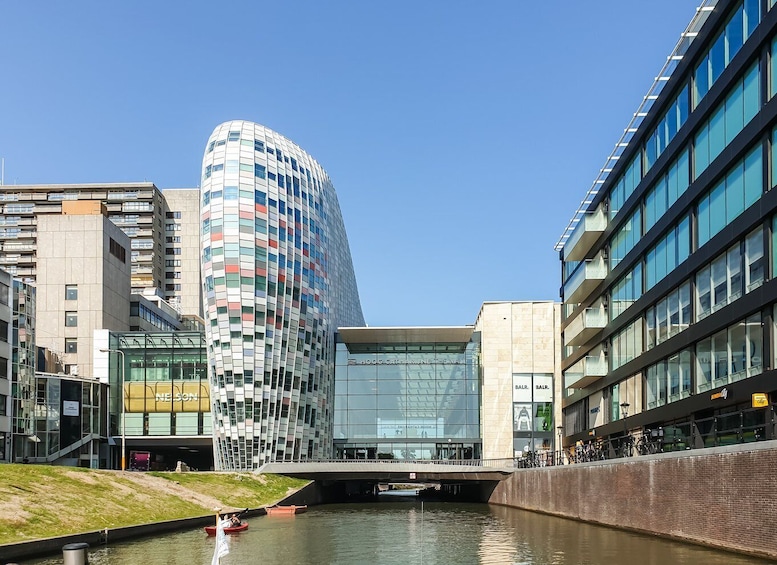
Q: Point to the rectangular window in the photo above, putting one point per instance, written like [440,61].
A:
[742,187]
[71,319]
[71,292]
[3,406]
[5,292]
[626,238]
[739,27]
[728,119]
[626,291]
[668,253]
[71,345]
[117,251]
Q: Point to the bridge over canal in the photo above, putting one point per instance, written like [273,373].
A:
[464,479]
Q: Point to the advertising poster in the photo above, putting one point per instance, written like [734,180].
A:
[522,417]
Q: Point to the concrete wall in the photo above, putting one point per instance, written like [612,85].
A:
[75,250]
[722,497]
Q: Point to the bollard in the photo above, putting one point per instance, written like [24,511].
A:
[75,554]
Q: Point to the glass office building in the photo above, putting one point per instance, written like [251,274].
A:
[407,393]
[278,281]
[669,268]
[163,407]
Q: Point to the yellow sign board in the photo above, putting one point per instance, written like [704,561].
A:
[760,400]
[167,396]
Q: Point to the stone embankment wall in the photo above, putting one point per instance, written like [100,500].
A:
[723,497]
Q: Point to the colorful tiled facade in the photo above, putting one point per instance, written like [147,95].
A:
[277,282]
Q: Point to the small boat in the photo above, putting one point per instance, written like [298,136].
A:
[285,510]
[211,530]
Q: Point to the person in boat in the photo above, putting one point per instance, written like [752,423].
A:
[235,521]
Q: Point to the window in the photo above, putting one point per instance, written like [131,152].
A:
[71,292]
[669,316]
[627,344]
[71,319]
[667,190]
[118,251]
[754,260]
[669,380]
[728,119]
[4,293]
[730,355]
[173,215]
[667,128]
[626,238]
[624,187]
[3,405]
[260,171]
[71,345]
[626,291]
[726,46]
[668,253]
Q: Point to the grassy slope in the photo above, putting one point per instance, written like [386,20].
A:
[38,501]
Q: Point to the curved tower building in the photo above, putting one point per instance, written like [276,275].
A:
[278,281]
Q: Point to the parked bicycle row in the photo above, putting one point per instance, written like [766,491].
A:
[633,444]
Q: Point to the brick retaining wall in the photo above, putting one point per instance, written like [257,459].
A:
[724,497]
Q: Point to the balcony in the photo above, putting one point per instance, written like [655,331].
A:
[586,232]
[584,280]
[585,326]
[586,371]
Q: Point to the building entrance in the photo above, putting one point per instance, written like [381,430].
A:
[453,451]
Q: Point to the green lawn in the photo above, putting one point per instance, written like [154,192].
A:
[38,501]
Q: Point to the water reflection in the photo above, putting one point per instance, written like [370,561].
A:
[403,533]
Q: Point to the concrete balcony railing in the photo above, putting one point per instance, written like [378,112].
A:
[584,280]
[586,371]
[587,231]
[585,326]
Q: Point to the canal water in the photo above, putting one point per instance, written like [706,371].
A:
[411,532]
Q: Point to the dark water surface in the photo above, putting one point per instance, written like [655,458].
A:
[411,532]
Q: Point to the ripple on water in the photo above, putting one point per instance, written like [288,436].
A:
[411,532]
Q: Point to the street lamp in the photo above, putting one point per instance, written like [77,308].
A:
[560,445]
[123,424]
[625,444]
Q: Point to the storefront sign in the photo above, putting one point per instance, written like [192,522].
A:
[522,388]
[179,397]
[722,394]
[167,396]
[70,408]
[543,388]
[410,361]
[760,400]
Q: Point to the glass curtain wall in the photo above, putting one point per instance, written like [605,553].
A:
[407,401]
[166,384]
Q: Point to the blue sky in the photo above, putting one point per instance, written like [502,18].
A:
[460,136]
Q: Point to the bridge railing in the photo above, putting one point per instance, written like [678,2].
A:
[489,463]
